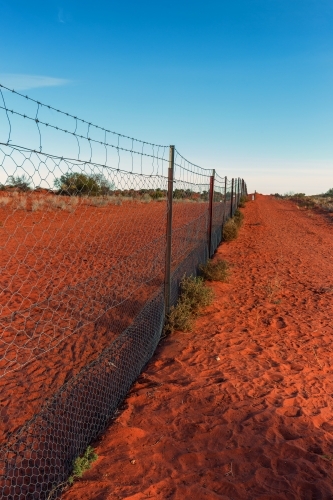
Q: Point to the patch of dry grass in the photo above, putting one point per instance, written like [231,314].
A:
[230,230]
[217,270]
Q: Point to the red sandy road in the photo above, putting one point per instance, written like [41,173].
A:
[56,276]
[257,423]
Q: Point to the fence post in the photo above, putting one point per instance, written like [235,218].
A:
[232,197]
[210,213]
[167,280]
[225,199]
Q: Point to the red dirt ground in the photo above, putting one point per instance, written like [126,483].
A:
[240,408]
[66,277]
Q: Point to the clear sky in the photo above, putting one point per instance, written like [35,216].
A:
[243,86]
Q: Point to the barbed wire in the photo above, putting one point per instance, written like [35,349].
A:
[90,124]
[186,165]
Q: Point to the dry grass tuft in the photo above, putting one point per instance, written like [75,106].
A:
[242,201]
[231,227]
[215,270]
[230,230]
[4,200]
[239,218]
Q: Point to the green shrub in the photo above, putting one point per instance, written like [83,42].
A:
[329,193]
[82,464]
[215,270]
[79,184]
[194,295]
[180,317]
[230,230]
[22,182]
[194,290]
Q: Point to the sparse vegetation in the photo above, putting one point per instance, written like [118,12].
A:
[230,230]
[20,182]
[194,294]
[4,200]
[322,201]
[215,270]
[82,464]
[79,184]
[243,199]
[21,203]
[232,225]
[146,198]
[329,193]
[180,317]
[239,218]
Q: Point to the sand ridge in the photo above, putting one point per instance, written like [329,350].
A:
[240,408]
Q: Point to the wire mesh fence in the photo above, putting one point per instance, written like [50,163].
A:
[86,215]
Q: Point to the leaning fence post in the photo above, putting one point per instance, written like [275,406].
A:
[232,197]
[167,279]
[210,213]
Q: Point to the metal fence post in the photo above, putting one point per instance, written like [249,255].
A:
[167,280]
[225,199]
[210,213]
[232,198]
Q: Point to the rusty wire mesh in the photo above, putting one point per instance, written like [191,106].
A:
[83,239]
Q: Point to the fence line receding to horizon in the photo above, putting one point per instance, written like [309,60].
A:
[97,230]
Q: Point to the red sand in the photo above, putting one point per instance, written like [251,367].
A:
[66,277]
[240,408]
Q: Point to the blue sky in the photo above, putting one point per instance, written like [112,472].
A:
[241,86]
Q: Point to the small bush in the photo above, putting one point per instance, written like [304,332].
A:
[194,295]
[329,193]
[82,464]
[80,184]
[243,199]
[215,270]
[238,218]
[230,230]
[194,290]
[20,182]
[180,317]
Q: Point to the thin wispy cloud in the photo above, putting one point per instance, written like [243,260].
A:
[25,82]
[61,17]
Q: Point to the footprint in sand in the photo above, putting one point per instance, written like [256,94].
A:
[279,323]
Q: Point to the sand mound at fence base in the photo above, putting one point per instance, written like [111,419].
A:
[240,408]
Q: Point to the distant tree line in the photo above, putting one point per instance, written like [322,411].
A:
[81,184]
